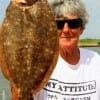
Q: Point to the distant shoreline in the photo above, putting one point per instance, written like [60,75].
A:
[89,45]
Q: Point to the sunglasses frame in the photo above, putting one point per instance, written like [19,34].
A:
[72,23]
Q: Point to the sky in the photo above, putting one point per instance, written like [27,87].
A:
[92,29]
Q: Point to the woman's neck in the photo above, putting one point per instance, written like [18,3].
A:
[70,55]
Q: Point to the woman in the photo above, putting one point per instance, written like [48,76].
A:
[76,76]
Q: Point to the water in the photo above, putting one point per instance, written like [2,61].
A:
[5,93]
[5,85]
[97,49]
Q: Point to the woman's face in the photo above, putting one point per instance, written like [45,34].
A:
[70,31]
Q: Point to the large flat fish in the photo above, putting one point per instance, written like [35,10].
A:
[28,46]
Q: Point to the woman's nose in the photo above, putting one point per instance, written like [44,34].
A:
[66,27]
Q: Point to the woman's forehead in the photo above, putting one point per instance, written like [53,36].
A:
[68,16]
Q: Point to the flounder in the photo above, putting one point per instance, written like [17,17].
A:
[28,46]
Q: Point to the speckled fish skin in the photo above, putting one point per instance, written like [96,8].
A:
[29,45]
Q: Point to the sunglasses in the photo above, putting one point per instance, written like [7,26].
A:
[72,23]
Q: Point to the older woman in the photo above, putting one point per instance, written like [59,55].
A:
[76,76]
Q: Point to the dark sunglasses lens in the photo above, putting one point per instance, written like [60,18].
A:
[73,23]
[60,24]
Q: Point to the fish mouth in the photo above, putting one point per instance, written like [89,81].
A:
[24,3]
